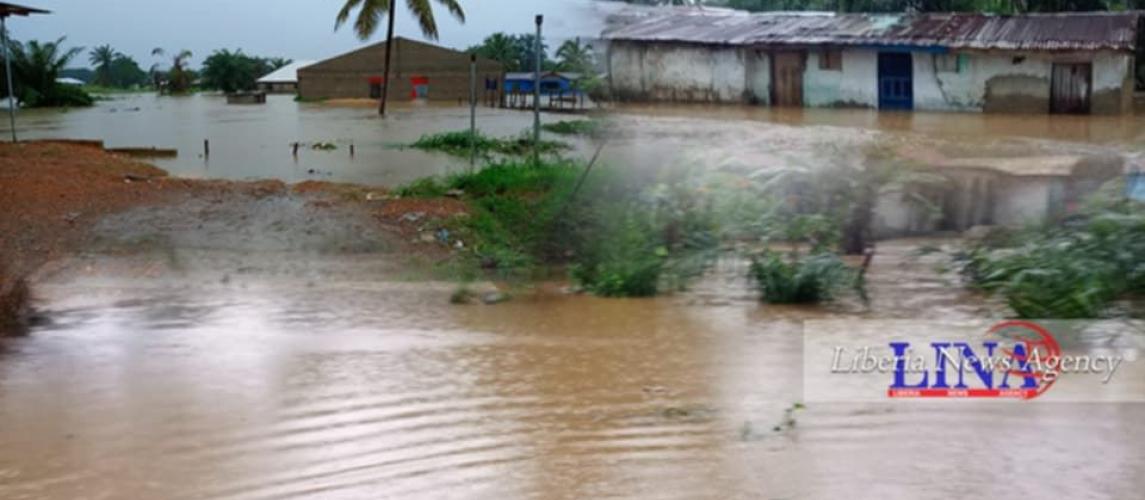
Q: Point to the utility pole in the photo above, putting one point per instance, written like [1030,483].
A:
[8,74]
[472,111]
[537,92]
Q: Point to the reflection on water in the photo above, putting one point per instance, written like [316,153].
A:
[363,388]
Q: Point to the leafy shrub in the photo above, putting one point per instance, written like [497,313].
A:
[807,280]
[625,260]
[1072,271]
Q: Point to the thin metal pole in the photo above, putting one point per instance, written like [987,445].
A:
[537,93]
[472,111]
[8,74]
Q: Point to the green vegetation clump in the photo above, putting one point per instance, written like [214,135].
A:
[35,68]
[615,238]
[458,144]
[799,280]
[234,71]
[1076,270]
[573,127]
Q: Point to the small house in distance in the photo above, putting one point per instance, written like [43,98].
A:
[418,70]
[558,87]
[283,80]
[1035,63]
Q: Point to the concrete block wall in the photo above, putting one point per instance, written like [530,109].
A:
[348,75]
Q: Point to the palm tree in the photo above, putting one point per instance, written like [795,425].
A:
[103,57]
[575,56]
[370,12]
[178,77]
[155,71]
[36,65]
[501,48]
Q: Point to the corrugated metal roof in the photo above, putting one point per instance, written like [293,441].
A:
[1072,31]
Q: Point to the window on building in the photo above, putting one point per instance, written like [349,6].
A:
[946,63]
[831,60]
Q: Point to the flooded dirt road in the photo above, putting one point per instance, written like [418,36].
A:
[195,354]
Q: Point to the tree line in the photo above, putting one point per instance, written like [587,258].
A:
[37,66]
[518,53]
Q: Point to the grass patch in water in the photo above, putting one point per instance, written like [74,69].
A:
[616,238]
[459,144]
[573,127]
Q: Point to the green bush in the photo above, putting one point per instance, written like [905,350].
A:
[621,235]
[806,280]
[458,144]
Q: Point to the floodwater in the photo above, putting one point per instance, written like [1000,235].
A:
[255,141]
[273,353]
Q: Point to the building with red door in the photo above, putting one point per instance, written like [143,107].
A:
[419,70]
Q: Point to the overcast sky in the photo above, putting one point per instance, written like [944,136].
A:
[298,29]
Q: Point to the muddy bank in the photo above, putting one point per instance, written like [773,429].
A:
[59,200]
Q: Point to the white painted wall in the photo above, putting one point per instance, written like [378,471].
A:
[670,72]
[966,89]
[758,76]
[679,72]
[729,74]
[856,84]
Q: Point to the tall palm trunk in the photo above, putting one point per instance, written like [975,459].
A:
[389,50]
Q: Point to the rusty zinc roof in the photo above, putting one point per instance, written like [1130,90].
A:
[1072,31]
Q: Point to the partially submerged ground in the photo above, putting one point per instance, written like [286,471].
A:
[62,200]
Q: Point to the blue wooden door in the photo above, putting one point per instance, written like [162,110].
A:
[896,81]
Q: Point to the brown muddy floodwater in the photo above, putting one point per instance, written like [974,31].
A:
[251,356]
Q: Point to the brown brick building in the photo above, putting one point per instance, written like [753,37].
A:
[419,69]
